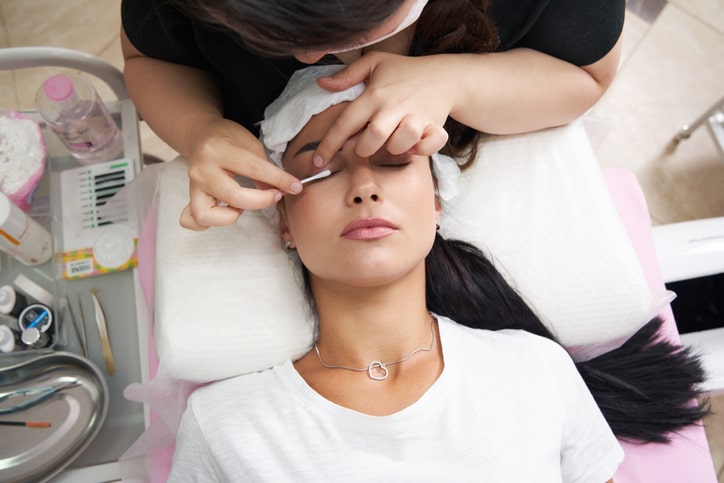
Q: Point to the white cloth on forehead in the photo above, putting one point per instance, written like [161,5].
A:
[302,98]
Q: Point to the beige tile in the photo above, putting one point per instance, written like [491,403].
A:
[113,55]
[154,146]
[672,77]
[90,26]
[8,99]
[714,426]
[709,11]
[86,25]
[686,183]
[634,29]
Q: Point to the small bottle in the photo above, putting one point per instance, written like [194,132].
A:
[9,339]
[34,339]
[11,302]
[21,236]
[74,112]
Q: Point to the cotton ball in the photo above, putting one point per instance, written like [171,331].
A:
[22,151]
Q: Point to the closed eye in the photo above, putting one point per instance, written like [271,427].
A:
[394,165]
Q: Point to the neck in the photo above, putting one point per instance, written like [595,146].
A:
[358,325]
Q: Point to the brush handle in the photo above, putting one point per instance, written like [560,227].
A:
[29,424]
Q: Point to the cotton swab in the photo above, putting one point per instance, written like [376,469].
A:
[320,175]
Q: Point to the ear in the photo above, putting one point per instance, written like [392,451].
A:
[438,209]
[284,232]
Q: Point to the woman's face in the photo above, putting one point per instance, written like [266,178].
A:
[378,33]
[371,222]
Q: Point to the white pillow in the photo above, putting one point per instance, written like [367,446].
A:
[537,204]
[227,300]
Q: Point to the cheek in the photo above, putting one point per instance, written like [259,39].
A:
[302,216]
[420,196]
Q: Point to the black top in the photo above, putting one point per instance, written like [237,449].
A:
[577,31]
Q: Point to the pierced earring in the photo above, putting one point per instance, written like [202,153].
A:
[288,245]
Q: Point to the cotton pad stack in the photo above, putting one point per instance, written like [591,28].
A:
[22,157]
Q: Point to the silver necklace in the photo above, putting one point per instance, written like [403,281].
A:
[378,370]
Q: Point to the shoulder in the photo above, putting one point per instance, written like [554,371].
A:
[506,351]
[580,32]
[502,340]
[232,394]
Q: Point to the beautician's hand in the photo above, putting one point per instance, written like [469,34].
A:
[404,106]
[222,150]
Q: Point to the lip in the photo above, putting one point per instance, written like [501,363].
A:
[368,229]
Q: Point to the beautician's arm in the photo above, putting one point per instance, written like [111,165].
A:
[183,107]
[516,91]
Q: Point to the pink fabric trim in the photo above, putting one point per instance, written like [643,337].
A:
[687,458]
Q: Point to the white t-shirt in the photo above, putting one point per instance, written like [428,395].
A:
[508,407]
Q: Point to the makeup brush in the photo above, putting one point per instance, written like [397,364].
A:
[28,424]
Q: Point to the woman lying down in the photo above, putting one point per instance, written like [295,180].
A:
[428,366]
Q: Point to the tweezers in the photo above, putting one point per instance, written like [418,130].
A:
[43,394]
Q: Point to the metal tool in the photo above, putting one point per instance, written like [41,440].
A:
[103,332]
[84,337]
[79,333]
[43,394]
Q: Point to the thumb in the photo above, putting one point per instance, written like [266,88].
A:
[351,75]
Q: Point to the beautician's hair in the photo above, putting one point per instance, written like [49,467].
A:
[454,27]
[279,27]
[646,389]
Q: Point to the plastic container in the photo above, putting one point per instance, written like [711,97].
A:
[74,112]
[22,157]
[9,339]
[34,338]
[11,302]
[36,315]
[21,236]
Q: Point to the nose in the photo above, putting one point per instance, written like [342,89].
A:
[363,182]
[359,199]
[310,56]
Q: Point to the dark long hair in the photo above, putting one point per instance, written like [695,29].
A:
[278,28]
[646,389]
[454,27]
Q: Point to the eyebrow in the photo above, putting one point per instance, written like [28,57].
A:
[307,147]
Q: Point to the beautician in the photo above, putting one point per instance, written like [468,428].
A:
[439,72]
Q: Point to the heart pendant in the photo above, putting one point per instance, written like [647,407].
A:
[378,367]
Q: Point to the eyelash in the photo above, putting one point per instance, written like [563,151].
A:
[383,164]
[394,165]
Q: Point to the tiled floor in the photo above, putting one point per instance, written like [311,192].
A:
[671,72]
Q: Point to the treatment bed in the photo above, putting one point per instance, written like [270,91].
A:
[575,240]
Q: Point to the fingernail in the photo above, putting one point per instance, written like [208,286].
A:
[295,188]
[278,196]
[318,161]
